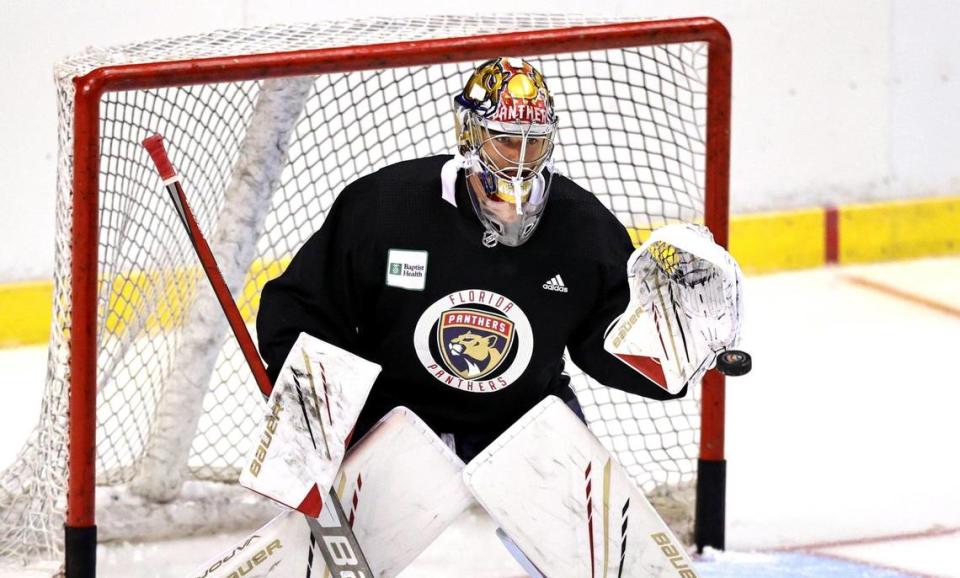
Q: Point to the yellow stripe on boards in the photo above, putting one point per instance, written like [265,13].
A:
[899,230]
[171,291]
[638,236]
[779,241]
[25,312]
[26,308]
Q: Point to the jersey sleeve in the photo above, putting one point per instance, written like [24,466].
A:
[586,342]
[318,293]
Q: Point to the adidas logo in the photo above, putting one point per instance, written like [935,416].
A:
[555,284]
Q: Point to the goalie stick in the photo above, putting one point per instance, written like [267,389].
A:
[529,567]
[338,546]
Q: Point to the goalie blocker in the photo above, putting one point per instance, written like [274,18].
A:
[308,418]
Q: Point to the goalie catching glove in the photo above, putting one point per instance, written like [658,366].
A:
[684,310]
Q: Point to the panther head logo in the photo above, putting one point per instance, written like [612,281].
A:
[474,342]
[481,351]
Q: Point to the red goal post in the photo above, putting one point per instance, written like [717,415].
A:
[84,275]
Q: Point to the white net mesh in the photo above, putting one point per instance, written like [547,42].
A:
[632,131]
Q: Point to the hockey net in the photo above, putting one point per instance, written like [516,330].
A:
[262,160]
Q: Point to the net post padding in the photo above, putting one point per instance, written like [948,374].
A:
[246,203]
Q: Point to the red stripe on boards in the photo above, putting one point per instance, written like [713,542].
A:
[831,221]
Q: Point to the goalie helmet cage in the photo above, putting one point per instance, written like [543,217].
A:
[266,125]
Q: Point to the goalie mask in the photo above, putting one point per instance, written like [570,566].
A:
[505,129]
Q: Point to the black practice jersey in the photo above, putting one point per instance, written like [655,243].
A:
[469,337]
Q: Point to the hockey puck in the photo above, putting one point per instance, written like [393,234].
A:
[733,362]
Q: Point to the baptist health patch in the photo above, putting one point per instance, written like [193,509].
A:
[407,269]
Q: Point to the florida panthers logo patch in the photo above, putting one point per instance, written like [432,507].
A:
[474,340]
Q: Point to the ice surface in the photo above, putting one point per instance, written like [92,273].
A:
[788,565]
[932,556]
[844,427]
[22,373]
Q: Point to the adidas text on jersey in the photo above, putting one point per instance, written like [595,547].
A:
[555,284]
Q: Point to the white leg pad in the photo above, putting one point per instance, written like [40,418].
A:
[569,507]
[403,486]
[400,487]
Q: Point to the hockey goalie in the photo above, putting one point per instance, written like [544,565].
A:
[466,278]
[564,506]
